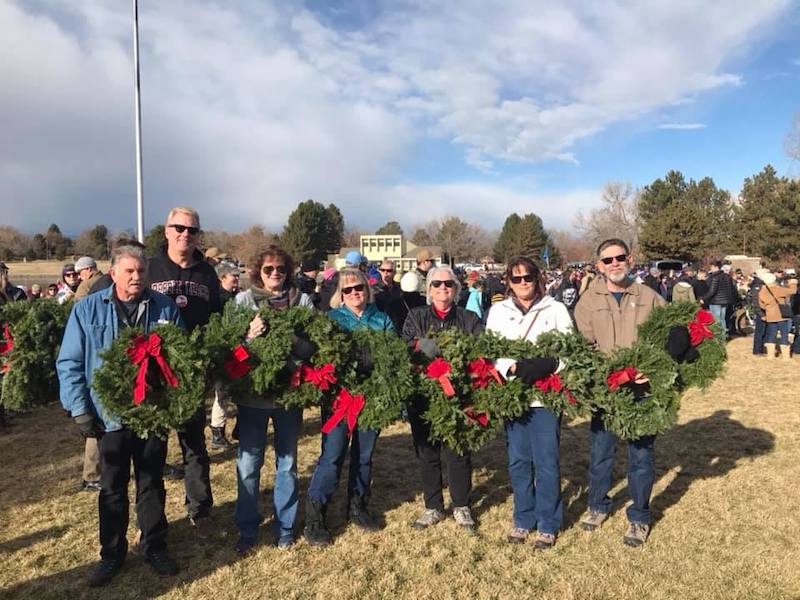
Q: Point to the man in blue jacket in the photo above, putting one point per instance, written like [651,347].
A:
[92,327]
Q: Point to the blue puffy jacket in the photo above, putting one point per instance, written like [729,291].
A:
[91,328]
[371,318]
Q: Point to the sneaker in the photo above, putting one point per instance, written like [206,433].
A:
[286,540]
[544,541]
[518,535]
[245,546]
[173,472]
[592,519]
[90,486]
[358,515]
[105,571]
[636,535]
[429,516]
[162,563]
[464,518]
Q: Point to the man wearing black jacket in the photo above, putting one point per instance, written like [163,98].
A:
[721,295]
[179,271]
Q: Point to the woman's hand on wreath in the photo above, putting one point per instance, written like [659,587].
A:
[257,328]
[531,370]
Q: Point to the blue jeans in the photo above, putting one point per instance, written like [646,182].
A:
[334,449]
[719,311]
[641,471]
[533,442]
[252,424]
[759,330]
[774,328]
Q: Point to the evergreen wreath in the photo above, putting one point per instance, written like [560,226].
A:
[703,329]
[222,336]
[568,392]
[622,413]
[30,338]
[459,415]
[162,402]
[391,382]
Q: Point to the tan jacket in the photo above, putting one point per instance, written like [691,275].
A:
[770,305]
[609,325]
[85,286]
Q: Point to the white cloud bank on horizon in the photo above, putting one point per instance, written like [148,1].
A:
[249,110]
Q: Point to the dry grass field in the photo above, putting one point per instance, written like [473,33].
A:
[726,505]
[42,272]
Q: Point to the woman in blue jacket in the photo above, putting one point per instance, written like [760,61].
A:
[352,307]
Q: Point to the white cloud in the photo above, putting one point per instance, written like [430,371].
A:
[250,107]
[682,126]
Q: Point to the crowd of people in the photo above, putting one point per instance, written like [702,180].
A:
[604,301]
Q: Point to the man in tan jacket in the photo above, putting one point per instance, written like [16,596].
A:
[608,314]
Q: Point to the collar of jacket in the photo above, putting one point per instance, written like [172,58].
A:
[108,294]
[602,288]
[450,316]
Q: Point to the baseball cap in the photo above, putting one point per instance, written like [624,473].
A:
[424,255]
[355,258]
[226,268]
[85,262]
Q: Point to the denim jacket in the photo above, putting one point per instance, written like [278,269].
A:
[92,327]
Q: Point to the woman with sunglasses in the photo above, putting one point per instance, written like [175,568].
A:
[442,290]
[271,286]
[352,307]
[533,439]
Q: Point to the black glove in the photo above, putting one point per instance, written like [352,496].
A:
[428,347]
[303,349]
[364,363]
[679,346]
[88,426]
[640,390]
[530,370]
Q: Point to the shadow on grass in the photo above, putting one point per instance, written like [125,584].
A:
[30,539]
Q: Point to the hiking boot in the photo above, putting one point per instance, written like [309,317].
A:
[105,571]
[173,472]
[245,546]
[592,519]
[162,563]
[218,439]
[429,516]
[544,541]
[315,531]
[636,535]
[90,486]
[464,518]
[357,514]
[517,535]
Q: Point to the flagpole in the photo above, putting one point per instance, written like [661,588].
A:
[138,111]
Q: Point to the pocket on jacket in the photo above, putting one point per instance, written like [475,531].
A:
[97,334]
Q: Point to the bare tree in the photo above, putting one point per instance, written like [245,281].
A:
[616,218]
[791,143]
[573,248]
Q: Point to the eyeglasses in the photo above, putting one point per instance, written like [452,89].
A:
[386,270]
[70,274]
[182,228]
[352,288]
[268,269]
[528,278]
[448,283]
[609,259]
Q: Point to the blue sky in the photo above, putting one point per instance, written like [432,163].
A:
[402,110]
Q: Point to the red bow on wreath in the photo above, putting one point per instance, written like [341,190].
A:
[476,417]
[322,377]
[553,383]
[6,346]
[143,348]
[237,366]
[483,372]
[621,377]
[699,329]
[439,370]
[346,406]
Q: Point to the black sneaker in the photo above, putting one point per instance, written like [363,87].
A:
[105,571]
[173,472]
[245,546]
[162,563]
[90,486]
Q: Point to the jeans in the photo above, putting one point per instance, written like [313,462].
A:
[533,465]
[334,449]
[429,454]
[641,471]
[774,328]
[286,424]
[720,312]
[197,481]
[759,330]
[117,449]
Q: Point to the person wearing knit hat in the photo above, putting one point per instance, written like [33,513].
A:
[87,270]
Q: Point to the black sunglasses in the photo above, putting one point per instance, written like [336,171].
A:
[352,288]
[182,228]
[520,278]
[609,259]
[448,283]
[268,269]
[386,270]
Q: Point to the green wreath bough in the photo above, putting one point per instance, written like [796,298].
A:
[152,382]
[623,414]
[389,385]
[705,333]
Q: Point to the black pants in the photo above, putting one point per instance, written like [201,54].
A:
[197,480]
[117,449]
[459,466]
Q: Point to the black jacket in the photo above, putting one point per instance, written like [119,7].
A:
[385,295]
[14,294]
[721,290]
[194,289]
[399,308]
[422,321]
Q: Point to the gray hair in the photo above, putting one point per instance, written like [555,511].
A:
[129,251]
[351,273]
[431,277]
